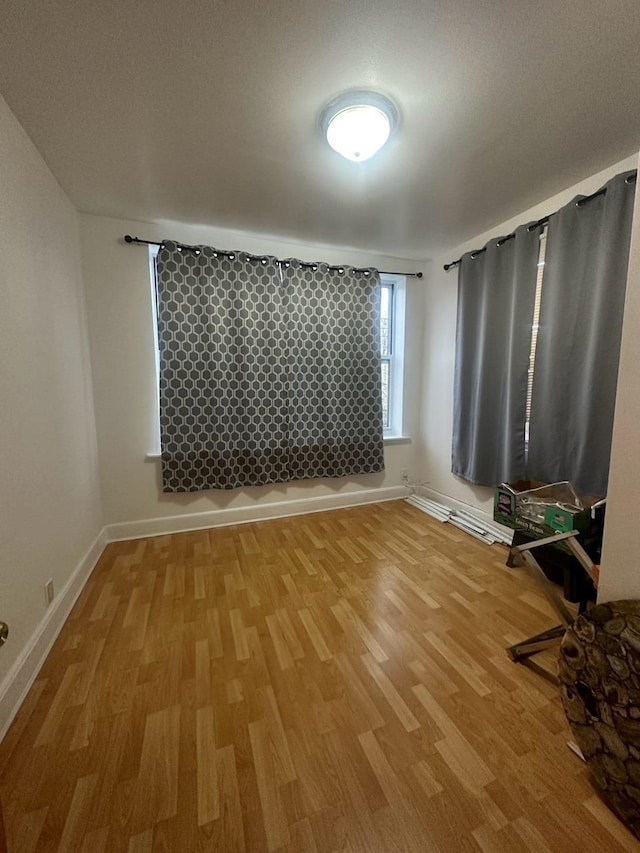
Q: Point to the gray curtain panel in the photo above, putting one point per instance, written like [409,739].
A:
[578,345]
[496,295]
[223,370]
[335,393]
[264,372]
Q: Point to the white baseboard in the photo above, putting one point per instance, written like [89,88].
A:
[25,669]
[247,514]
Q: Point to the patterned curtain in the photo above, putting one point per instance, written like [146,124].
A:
[267,374]
[335,386]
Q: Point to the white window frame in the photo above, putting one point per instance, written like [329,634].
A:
[535,325]
[155,451]
[394,429]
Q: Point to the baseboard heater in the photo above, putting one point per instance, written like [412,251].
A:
[484,531]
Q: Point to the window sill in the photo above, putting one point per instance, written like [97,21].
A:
[388,439]
[397,439]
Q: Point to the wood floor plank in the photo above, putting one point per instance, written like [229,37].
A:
[141,843]
[229,830]
[390,693]
[78,815]
[332,682]
[285,769]
[28,831]
[415,588]
[289,632]
[358,693]
[285,658]
[273,816]
[456,750]
[351,623]
[202,672]
[315,635]
[471,674]
[426,779]
[239,635]
[96,840]
[157,794]
[207,774]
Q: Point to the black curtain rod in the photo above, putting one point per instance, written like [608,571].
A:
[129,239]
[630,180]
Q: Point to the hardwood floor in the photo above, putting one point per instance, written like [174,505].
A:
[329,682]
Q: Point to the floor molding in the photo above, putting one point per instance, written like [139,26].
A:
[26,667]
[247,514]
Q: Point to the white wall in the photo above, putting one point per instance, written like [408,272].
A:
[436,417]
[122,348]
[49,494]
[620,574]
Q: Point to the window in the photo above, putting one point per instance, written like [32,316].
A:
[534,336]
[386,345]
[155,447]
[392,301]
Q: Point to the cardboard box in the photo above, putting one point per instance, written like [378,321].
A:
[513,503]
[507,504]
[562,520]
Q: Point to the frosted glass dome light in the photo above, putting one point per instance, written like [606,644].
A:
[358,124]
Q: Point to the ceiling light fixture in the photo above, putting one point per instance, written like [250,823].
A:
[357,124]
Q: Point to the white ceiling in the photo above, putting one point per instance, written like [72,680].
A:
[207,111]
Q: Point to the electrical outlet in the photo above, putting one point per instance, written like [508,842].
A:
[404,475]
[48,592]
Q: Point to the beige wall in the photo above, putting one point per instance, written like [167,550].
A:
[620,577]
[122,346]
[49,495]
[434,450]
